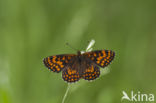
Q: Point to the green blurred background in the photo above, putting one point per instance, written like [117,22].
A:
[33,29]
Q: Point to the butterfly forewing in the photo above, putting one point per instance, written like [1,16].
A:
[58,62]
[101,57]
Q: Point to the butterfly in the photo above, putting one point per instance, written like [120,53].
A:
[81,66]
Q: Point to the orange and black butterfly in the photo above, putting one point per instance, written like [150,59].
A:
[85,66]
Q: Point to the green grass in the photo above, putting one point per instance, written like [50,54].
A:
[32,30]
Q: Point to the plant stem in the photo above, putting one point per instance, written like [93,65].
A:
[66,93]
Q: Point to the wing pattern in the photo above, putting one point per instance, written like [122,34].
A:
[58,62]
[102,57]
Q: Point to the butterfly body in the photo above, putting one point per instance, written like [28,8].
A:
[80,66]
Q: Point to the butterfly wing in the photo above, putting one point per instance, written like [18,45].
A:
[58,62]
[70,74]
[101,57]
[91,72]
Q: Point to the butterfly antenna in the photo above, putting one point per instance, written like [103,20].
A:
[71,46]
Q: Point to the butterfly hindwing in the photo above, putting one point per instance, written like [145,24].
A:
[70,74]
[91,72]
[58,62]
[101,57]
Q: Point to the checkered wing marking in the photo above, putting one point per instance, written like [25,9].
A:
[91,72]
[70,75]
[101,58]
[58,62]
